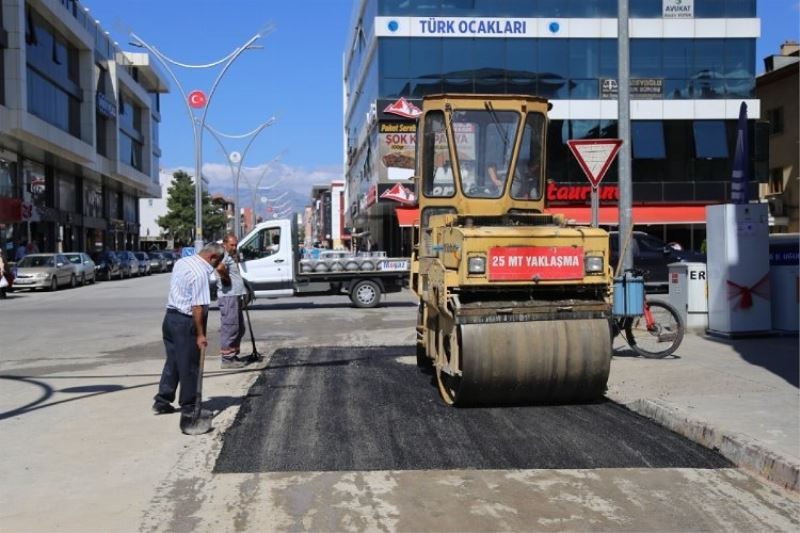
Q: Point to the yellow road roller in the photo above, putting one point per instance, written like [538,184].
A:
[514,301]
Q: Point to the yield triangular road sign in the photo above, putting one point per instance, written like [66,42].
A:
[595,156]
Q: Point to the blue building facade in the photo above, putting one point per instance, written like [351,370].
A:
[692,64]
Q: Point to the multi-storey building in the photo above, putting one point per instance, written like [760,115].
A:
[692,62]
[79,125]
[778,89]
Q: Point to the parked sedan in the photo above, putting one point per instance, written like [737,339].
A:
[145,264]
[652,255]
[45,271]
[128,263]
[169,260]
[84,266]
[107,265]
[157,262]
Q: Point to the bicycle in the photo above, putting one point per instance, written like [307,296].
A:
[655,333]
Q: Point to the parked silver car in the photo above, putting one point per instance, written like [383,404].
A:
[84,266]
[45,271]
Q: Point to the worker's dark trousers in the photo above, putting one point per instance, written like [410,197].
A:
[183,358]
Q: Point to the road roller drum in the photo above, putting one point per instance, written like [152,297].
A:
[543,361]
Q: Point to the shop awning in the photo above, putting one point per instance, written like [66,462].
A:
[661,214]
[407,216]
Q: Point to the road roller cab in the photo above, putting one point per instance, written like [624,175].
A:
[514,301]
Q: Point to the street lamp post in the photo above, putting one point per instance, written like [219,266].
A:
[199,100]
[236,172]
[254,187]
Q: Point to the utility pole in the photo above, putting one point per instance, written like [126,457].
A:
[624,129]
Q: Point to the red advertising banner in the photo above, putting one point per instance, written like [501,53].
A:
[517,263]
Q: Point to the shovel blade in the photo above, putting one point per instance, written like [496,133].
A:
[195,425]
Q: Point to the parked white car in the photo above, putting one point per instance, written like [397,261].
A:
[84,266]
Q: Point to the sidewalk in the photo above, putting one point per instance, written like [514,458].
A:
[739,396]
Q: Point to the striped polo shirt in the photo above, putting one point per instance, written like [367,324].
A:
[188,285]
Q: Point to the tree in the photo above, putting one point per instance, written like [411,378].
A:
[179,220]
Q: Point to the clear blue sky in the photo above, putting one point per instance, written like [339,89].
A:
[298,74]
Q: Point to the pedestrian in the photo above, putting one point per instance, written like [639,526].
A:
[230,295]
[22,251]
[184,328]
[4,283]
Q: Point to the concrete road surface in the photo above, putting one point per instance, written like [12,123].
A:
[81,450]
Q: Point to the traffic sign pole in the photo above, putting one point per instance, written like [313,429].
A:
[595,207]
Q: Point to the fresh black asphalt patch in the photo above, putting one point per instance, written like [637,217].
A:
[340,409]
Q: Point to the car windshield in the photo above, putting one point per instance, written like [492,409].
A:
[33,261]
[74,258]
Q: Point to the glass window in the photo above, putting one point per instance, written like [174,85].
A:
[740,88]
[394,88]
[67,193]
[739,58]
[553,58]
[92,199]
[421,87]
[437,165]
[678,59]
[584,58]
[521,58]
[518,8]
[740,8]
[426,58]
[608,58]
[489,56]
[521,86]
[419,8]
[457,85]
[553,8]
[7,179]
[263,244]
[709,139]
[554,88]
[490,85]
[646,58]
[484,143]
[709,9]
[458,57]
[645,8]
[648,139]
[592,8]
[35,182]
[528,172]
[584,89]
[393,58]
[707,55]
[678,89]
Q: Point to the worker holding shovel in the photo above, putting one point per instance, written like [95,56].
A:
[184,333]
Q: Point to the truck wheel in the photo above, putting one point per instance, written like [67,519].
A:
[365,294]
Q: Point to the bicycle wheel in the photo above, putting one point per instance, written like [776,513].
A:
[660,340]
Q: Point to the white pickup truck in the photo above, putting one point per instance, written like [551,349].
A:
[271,267]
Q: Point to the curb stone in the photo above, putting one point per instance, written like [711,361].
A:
[741,450]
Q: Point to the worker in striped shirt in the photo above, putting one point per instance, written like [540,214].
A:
[184,328]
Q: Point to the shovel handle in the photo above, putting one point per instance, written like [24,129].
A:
[199,399]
